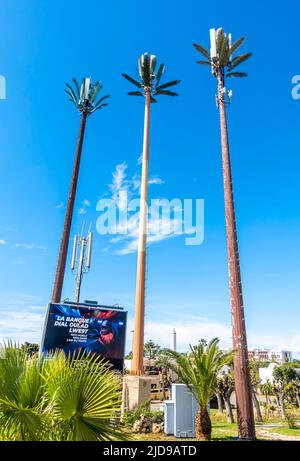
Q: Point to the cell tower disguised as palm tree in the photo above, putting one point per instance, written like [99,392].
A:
[84,98]
[149,87]
[222,62]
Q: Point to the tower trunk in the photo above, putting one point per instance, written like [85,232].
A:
[63,252]
[241,369]
[138,343]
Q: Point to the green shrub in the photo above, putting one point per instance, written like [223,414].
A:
[291,420]
[156,416]
[56,399]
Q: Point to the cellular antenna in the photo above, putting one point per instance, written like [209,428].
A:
[230,45]
[81,259]
[74,254]
[213,44]
[89,249]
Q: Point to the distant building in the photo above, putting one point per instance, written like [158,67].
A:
[267,355]
[266,374]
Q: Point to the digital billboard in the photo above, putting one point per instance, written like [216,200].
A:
[98,330]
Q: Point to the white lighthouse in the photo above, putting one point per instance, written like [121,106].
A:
[173,340]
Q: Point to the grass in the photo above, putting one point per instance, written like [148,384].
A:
[223,431]
[285,430]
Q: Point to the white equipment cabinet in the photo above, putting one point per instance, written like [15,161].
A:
[180,412]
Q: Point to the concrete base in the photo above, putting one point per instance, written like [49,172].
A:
[136,390]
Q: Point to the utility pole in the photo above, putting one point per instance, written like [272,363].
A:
[81,264]
[241,369]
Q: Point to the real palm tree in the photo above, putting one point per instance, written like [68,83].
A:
[283,377]
[57,398]
[267,390]
[255,380]
[295,385]
[223,64]
[199,371]
[225,389]
[84,98]
[148,86]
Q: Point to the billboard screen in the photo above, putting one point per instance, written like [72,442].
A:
[97,330]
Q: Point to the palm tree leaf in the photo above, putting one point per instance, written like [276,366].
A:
[101,100]
[166,85]
[167,93]
[77,87]
[97,88]
[159,74]
[202,50]
[86,399]
[237,44]
[97,108]
[22,415]
[102,105]
[153,99]
[204,63]
[199,370]
[71,91]
[71,97]
[130,79]
[72,101]
[238,60]
[221,47]
[152,66]
[135,93]
[237,74]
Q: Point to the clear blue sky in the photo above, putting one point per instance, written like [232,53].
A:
[44,44]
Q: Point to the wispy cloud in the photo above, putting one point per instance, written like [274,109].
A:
[119,182]
[123,189]
[9,229]
[85,205]
[191,328]
[30,246]
[156,180]
[21,326]
[60,205]
[42,247]
[37,308]
[21,317]
[159,229]
[2,242]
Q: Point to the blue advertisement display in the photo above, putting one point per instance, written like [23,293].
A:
[100,331]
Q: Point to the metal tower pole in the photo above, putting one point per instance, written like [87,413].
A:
[241,369]
[138,343]
[62,258]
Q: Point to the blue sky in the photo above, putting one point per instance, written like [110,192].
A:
[44,44]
